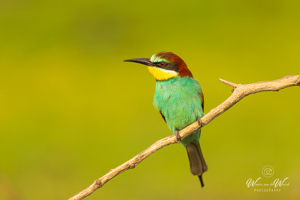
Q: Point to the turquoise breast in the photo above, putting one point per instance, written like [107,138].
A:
[179,100]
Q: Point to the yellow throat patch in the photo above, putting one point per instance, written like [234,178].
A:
[162,74]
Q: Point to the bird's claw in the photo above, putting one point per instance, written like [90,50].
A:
[177,136]
[199,122]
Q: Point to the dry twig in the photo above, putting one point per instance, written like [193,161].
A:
[239,92]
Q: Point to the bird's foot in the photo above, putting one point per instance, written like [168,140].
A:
[199,122]
[177,136]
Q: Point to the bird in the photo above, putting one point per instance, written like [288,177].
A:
[180,101]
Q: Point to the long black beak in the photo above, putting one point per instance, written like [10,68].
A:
[144,61]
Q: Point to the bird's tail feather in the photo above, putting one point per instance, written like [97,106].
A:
[197,162]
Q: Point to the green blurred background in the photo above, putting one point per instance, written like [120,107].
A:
[71,109]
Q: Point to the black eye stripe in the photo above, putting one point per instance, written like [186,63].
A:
[157,63]
[167,66]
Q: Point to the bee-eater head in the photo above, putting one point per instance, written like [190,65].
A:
[164,66]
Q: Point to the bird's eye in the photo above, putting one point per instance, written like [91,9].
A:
[162,64]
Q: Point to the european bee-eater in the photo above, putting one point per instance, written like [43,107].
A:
[179,98]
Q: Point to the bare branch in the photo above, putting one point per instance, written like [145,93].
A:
[228,83]
[240,91]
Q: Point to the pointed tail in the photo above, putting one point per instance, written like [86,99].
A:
[197,162]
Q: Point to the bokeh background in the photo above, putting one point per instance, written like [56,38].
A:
[71,109]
